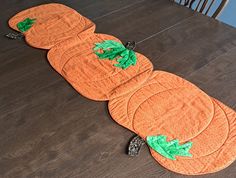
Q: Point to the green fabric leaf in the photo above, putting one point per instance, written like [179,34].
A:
[169,149]
[114,50]
[25,25]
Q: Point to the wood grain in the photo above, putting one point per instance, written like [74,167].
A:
[48,130]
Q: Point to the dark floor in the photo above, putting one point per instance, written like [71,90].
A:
[48,130]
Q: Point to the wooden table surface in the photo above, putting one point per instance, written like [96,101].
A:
[48,130]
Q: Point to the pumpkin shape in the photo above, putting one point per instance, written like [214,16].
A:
[95,78]
[164,86]
[172,106]
[53,23]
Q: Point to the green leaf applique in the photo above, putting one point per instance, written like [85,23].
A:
[169,149]
[114,50]
[26,24]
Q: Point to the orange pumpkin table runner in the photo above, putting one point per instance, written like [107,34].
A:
[187,131]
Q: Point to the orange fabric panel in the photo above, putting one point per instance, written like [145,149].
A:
[94,78]
[54,23]
[159,82]
[169,105]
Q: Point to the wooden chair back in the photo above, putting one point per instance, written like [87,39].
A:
[203,6]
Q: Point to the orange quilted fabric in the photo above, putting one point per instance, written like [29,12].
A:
[54,23]
[167,104]
[96,79]
[217,160]
[147,102]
